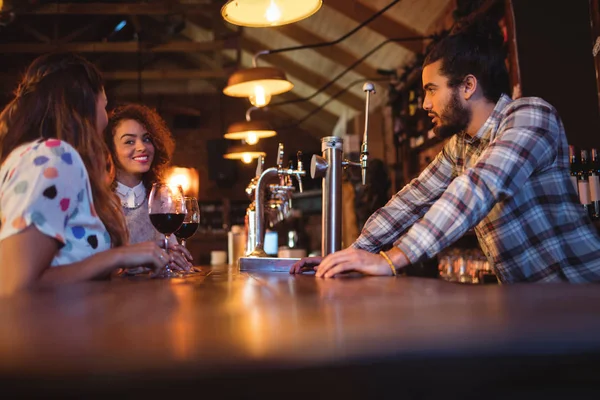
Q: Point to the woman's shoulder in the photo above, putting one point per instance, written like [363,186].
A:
[41,151]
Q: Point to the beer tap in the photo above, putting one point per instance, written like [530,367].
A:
[256,212]
[329,167]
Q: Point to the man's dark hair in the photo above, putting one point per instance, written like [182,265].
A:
[477,51]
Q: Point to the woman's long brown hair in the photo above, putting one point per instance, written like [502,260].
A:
[161,137]
[57,98]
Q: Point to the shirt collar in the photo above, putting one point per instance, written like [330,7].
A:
[139,191]
[484,133]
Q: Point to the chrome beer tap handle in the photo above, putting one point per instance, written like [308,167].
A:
[368,88]
[300,171]
[280,156]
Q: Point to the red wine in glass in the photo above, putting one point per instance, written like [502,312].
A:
[191,221]
[187,230]
[166,206]
[167,223]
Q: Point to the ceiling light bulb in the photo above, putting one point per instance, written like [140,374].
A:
[273,13]
[252,138]
[246,158]
[260,98]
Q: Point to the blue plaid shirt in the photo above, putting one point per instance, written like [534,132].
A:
[510,182]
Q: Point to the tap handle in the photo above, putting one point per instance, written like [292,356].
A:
[368,88]
[280,156]
[299,171]
[260,165]
[300,166]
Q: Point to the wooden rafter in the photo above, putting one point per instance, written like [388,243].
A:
[117,9]
[115,47]
[316,128]
[289,66]
[306,107]
[164,74]
[334,53]
[383,25]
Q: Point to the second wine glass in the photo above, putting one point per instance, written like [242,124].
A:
[166,206]
[191,221]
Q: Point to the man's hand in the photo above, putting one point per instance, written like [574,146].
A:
[352,259]
[305,264]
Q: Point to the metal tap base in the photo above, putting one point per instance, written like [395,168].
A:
[266,264]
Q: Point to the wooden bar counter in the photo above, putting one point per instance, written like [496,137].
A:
[230,334]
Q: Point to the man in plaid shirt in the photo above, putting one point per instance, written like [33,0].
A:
[504,172]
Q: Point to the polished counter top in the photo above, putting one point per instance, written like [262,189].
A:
[345,335]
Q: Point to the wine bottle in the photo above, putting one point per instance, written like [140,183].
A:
[584,184]
[574,165]
[594,178]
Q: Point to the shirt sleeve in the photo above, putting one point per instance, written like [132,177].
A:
[527,141]
[388,223]
[42,189]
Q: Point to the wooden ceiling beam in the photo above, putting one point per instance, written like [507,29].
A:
[164,74]
[316,128]
[334,53]
[306,106]
[117,9]
[303,73]
[383,24]
[115,47]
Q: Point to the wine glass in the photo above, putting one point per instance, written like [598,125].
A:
[191,222]
[166,206]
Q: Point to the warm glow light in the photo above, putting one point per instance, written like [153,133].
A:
[180,179]
[273,13]
[250,131]
[260,98]
[188,178]
[257,84]
[246,158]
[263,13]
[252,138]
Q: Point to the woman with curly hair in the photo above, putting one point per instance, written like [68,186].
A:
[141,147]
[59,221]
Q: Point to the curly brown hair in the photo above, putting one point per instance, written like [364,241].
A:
[161,137]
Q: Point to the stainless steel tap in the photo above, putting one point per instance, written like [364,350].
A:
[280,191]
[329,167]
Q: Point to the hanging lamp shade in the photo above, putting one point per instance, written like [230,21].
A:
[264,13]
[250,131]
[244,153]
[258,84]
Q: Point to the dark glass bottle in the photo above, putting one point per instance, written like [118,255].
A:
[594,178]
[574,166]
[584,184]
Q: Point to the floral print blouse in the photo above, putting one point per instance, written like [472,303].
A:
[45,183]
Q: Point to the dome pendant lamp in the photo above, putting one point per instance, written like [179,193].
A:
[250,131]
[265,13]
[258,84]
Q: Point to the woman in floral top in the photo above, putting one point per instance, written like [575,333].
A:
[60,221]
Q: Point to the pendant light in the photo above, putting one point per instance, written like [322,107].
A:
[258,84]
[265,13]
[244,153]
[250,131]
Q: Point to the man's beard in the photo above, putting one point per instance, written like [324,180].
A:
[453,119]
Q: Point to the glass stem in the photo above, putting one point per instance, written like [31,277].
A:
[167,268]
[183,242]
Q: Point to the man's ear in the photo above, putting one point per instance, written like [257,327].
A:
[469,86]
